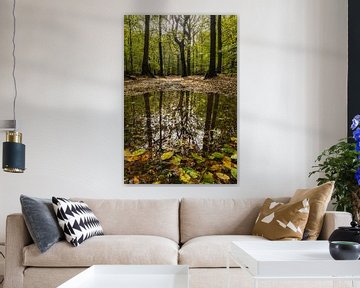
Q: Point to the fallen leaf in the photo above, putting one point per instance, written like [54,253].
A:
[234,172]
[176,160]
[222,176]
[208,178]
[234,156]
[136,180]
[138,152]
[167,155]
[215,167]
[227,162]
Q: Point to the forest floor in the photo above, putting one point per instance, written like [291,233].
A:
[225,85]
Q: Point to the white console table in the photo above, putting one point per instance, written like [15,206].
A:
[293,260]
[131,276]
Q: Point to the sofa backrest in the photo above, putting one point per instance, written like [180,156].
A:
[159,217]
[200,217]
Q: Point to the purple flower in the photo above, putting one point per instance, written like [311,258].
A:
[355,122]
[356,134]
[357,147]
[357,176]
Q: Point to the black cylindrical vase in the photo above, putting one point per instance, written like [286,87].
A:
[13,153]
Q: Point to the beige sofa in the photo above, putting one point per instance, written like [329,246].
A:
[195,232]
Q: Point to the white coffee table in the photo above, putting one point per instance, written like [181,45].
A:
[131,276]
[285,260]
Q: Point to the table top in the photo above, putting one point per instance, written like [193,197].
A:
[291,259]
[131,276]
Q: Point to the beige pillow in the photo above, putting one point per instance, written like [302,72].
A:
[319,198]
[279,221]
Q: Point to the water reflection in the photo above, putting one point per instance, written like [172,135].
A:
[182,120]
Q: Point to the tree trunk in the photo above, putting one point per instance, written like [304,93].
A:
[145,63]
[178,64]
[181,44]
[161,73]
[212,65]
[188,52]
[219,64]
[355,202]
[130,46]
[183,60]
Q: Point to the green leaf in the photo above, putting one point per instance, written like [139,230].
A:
[197,157]
[234,172]
[234,156]
[193,173]
[216,155]
[167,155]
[176,160]
[208,178]
[227,149]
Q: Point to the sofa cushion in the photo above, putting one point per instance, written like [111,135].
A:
[77,220]
[158,217]
[41,221]
[107,249]
[211,251]
[319,198]
[200,217]
[279,221]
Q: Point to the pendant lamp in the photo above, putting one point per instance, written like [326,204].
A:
[13,160]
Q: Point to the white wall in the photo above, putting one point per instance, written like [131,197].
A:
[292,94]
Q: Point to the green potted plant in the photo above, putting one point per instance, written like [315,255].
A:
[341,163]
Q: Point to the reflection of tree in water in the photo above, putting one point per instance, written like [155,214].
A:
[209,127]
[148,120]
[179,120]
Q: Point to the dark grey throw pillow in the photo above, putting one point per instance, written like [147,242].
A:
[41,221]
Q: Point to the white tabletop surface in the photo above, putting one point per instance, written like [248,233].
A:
[131,276]
[291,259]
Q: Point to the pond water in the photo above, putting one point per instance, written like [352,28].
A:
[180,137]
[182,120]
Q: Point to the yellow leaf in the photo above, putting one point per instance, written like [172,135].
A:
[167,155]
[227,162]
[234,139]
[215,167]
[136,180]
[222,176]
[185,177]
[139,152]
[127,153]
[145,156]
[132,158]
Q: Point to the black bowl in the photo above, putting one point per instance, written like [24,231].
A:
[344,250]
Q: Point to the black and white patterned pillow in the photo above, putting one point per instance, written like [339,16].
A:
[77,220]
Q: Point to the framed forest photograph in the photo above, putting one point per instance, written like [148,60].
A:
[180,99]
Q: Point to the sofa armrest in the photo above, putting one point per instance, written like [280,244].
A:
[17,237]
[333,220]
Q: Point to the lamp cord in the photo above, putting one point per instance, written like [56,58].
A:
[14,61]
